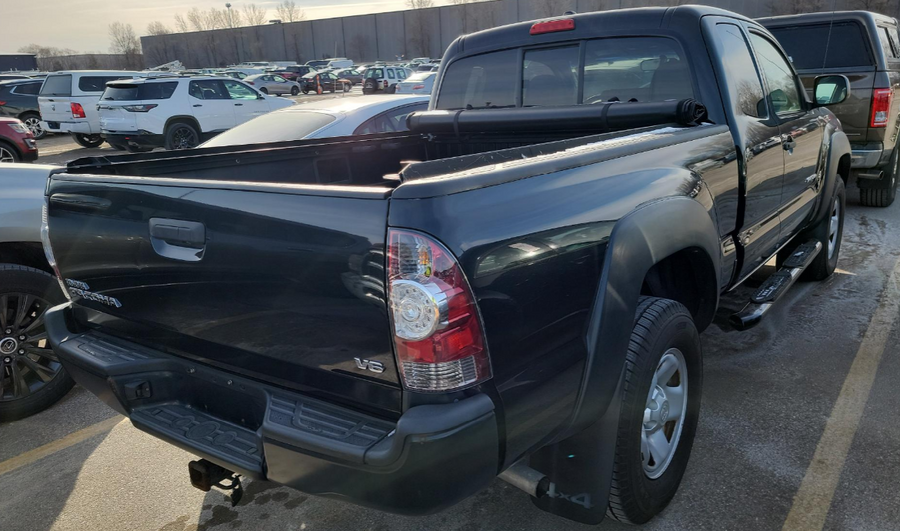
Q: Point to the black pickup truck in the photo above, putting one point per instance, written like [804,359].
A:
[514,287]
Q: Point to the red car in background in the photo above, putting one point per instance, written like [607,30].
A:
[292,73]
[16,142]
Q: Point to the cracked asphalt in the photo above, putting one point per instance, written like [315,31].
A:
[768,397]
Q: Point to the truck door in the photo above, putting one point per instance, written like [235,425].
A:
[801,135]
[758,141]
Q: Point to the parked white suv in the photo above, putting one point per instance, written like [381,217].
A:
[68,102]
[177,112]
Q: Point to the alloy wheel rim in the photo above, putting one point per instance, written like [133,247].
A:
[6,155]
[34,125]
[664,413]
[833,227]
[184,138]
[27,362]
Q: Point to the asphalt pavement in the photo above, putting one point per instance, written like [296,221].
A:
[798,431]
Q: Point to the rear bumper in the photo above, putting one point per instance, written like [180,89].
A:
[431,458]
[135,139]
[68,127]
[868,155]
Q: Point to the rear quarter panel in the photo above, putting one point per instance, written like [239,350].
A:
[23,188]
[533,250]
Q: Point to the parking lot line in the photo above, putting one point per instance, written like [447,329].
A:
[60,444]
[814,498]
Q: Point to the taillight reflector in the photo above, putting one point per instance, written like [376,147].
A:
[552,26]
[438,336]
[881,107]
[77,110]
[418,87]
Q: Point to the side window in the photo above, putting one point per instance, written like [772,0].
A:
[390,73]
[239,91]
[30,89]
[885,40]
[401,73]
[744,85]
[208,90]
[780,78]
[895,40]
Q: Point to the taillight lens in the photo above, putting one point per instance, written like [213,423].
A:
[77,110]
[881,107]
[140,108]
[418,87]
[437,329]
[250,83]
[385,84]
[48,251]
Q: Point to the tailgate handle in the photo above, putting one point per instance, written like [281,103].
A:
[178,239]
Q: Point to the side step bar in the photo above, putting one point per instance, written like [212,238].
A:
[774,287]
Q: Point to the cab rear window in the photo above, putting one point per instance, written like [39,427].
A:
[644,69]
[144,91]
[806,45]
[60,85]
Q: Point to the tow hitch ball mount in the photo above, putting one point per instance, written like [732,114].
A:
[205,475]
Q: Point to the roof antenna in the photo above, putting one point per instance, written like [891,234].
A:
[828,40]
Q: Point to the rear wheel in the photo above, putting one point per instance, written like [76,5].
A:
[8,153]
[181,135]
[830,232]
[264,90]
[31,377]
[369,86]
[660,410]
[33,122]
[306,91]
[87,141]
[882,193]
[295,91]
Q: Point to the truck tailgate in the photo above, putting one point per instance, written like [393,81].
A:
[281,283]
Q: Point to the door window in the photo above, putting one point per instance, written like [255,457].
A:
[741,76]
[208,90]
[780,79]
[279,79]
[239,91]
[390,73]
[30,89]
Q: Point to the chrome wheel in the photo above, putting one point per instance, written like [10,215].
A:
[27,362]
[33,123]
[6,155]
[184,138]
[664,413]
[834,226]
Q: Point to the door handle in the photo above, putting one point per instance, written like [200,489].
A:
[789,144]
[238,104]
[178,239]
[198,105]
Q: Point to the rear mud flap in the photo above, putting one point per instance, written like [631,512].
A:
[580,469]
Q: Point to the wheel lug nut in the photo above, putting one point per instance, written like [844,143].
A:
[21,351]
[7,359]
[21,338]
[9,330]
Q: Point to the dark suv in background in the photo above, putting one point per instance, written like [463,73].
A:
[19,99]
[865,47]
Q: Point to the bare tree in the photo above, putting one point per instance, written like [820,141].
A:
[181,25]
[124,41]
[418,33]
[289,12]
[419,4]
[254,15]
[791,7]
[157,28]
[232,18]
[878,6]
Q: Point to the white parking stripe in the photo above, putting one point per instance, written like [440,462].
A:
[813,500]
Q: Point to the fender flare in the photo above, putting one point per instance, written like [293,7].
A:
[638,241]
[839,146]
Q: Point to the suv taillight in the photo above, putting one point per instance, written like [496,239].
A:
[77,110]
[438,335]
[881,107]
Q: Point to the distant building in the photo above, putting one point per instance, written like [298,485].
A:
[17,61]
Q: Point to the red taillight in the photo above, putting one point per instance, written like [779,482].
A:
[2,103]
[437,330]
[881,107]
[418,87]
[77,110]
[251,83]
[385,84]
[552,26]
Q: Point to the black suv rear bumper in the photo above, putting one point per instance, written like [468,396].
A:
[432,457]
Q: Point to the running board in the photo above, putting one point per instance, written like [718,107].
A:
[774,287]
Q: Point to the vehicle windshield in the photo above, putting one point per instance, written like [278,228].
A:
[273,127]
[806,45]
[645,69]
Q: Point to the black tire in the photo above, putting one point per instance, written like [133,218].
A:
[306,91]
[347,86]
[32,122]
[824,264]
[883,192]
[264,90]
[87,141]
[15,281]
[295,91]
[369,86]
[8,153]
[661,326]
[181,135]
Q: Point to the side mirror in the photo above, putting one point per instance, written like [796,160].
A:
[831,89]
[260,96]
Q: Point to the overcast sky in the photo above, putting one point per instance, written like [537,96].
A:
[82,25]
